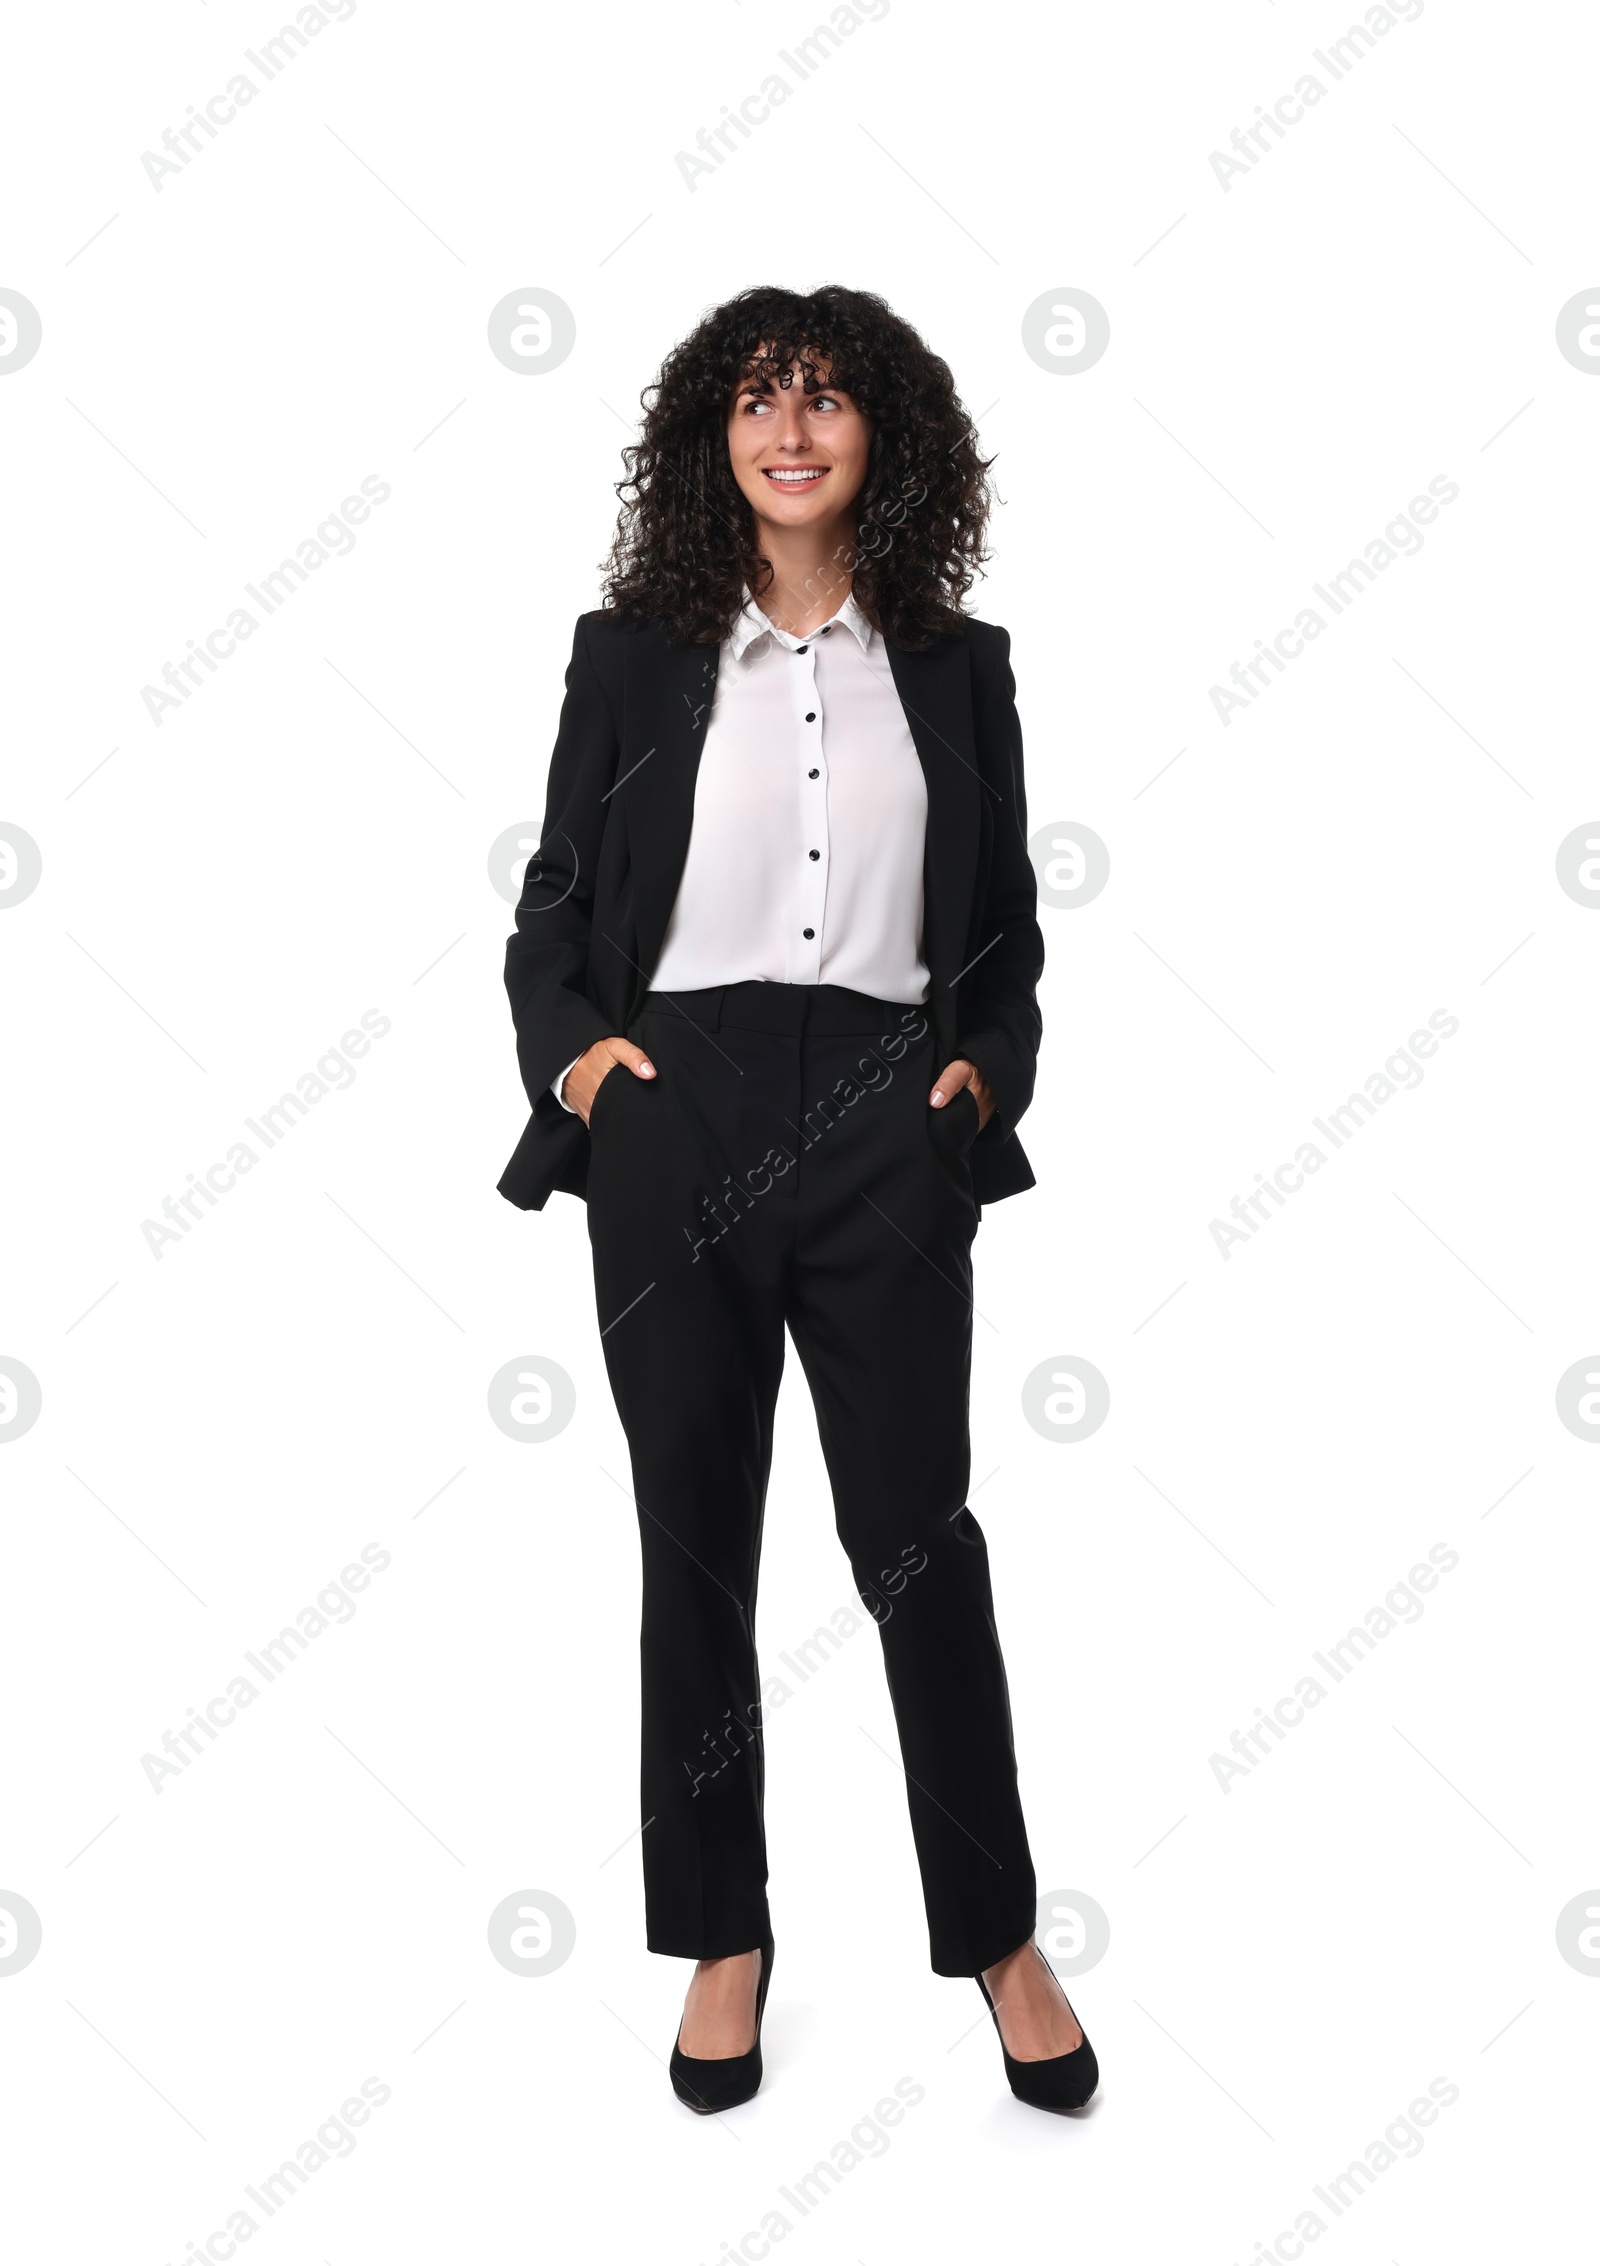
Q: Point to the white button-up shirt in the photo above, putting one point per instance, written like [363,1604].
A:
[805,855]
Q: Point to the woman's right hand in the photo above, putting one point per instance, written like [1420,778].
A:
[582,1081]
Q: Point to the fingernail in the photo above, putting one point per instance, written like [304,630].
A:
[647,1069]
[937,1097]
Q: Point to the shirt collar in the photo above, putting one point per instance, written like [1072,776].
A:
[751,624]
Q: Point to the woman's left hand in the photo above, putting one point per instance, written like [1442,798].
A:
[953,1077]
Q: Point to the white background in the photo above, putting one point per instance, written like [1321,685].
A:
[1291,1428]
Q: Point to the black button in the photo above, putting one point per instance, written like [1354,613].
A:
[808,932]
[811,716]
[816,853]
[825,632]
[800,649]
[811,774]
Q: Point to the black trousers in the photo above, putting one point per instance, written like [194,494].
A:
[785,1167]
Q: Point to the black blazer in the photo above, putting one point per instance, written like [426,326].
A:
[601,886]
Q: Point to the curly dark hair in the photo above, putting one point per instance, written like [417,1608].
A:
[685,545]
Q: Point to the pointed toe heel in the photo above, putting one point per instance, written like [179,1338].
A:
[708,2087]
[1065,2081]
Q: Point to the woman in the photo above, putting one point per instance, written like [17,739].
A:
[773,984]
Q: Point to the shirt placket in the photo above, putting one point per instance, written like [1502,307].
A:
[811,891]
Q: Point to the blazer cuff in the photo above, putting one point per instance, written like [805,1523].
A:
[557,1083]
[563,1029]
[1010,1077]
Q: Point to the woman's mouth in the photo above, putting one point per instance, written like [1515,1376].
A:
[794,476]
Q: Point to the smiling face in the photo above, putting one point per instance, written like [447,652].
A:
[800,458]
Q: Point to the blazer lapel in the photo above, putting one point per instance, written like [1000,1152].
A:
[935,689]
[669,694]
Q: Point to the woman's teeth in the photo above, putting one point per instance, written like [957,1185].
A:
[795,479]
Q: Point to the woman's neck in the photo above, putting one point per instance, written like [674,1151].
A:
[811,577]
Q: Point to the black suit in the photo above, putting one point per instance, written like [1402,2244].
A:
[600,889]
[784,1172]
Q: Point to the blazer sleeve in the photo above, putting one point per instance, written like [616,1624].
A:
[547,960]
[998,1025]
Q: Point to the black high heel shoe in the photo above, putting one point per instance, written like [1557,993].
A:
[1065,2081]
[710,2086]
